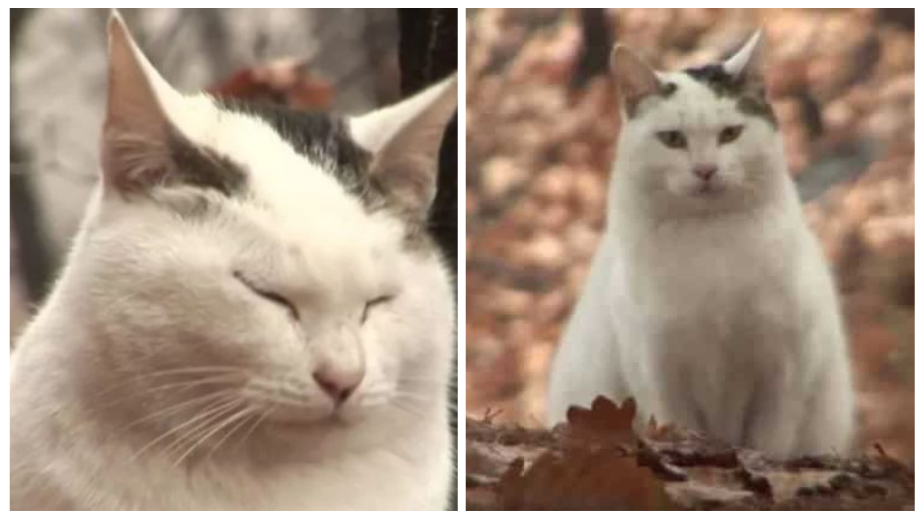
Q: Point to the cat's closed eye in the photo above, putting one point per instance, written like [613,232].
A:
[274,297]
[373,303]
[730,133]
[672,138]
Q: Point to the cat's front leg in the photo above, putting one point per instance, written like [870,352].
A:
[578,376]
[773,416]
[828,421]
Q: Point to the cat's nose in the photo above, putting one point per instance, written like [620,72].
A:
[705,171]
[338,384]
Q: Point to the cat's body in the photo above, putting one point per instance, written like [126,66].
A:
[251,317]
[709,300]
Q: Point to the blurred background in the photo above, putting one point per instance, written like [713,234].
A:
[345,60]
[542,120]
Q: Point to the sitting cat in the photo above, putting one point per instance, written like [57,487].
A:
[709,299]
[252,316]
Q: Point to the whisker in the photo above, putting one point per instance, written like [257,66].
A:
[178,406]
[181,384]
[193,371]
[211,369]
[247,415]
[280,400]
[410,410]
[422,380]
[225,422]
[208,412]
[253,428]
[205,423]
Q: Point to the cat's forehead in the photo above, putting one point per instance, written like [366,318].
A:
[283,159]
[323,139]
[683,88]
[305,168]
[302,168]
[705,96]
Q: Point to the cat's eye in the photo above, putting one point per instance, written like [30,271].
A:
[730,133]
[373,303]
[673,139]
[274,297]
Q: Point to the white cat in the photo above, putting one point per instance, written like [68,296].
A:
[251,317]
[709,300]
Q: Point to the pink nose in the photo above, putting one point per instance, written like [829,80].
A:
[338,384]
[705,171]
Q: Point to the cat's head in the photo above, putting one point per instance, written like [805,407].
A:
[699,141]
[245,263]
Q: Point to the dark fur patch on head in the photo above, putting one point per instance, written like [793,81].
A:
[322,138]
[751,101]
[715,77]
[757,106]
[667,90]
[204,168]
[140,165]
[325,140]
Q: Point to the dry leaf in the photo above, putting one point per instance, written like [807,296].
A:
[582,479]
[603,422]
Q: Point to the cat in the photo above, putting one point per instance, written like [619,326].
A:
[709,300]
[252,315]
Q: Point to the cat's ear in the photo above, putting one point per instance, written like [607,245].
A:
[136,131]
[747,65]
[405,142]
[635,79]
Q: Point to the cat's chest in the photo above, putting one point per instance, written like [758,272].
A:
[717,287]
[718,266]
[379,482]
[375,481]
[389,476]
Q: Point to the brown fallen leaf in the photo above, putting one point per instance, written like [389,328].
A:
[605,422]
[581,479]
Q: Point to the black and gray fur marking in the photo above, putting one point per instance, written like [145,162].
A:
[322,138]
[666,90]
[715,77]
[143,164]
[325,140]
[751,101]
[205,168]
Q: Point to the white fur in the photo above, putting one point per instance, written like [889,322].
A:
[715,311]
[146,290]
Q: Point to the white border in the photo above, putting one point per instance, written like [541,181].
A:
[5,413]
[460,276]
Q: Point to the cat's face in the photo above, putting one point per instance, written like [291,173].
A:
[700,141]
[250,264]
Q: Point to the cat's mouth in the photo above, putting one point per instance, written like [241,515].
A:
[300,416]
[298,423]
[707,189]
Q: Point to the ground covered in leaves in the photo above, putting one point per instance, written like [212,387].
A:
[542,120]
[595,461]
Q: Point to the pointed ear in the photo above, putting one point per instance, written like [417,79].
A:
[405,142]
[747,65]
[635,79]
[136,131]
